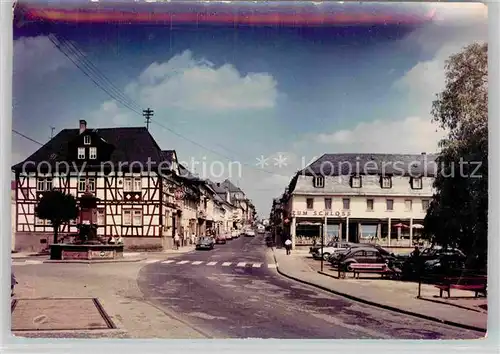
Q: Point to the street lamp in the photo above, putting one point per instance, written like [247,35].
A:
[322,243]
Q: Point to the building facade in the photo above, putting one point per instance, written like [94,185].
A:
[144,195]
[371,198]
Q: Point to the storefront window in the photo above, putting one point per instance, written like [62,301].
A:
[368,231]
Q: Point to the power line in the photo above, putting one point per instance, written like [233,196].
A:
[89,70]
[27,137]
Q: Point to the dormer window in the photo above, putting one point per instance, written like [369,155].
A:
[386,182]
[81,153]
[356,182]
[86,139]
[319,182]
[416,183]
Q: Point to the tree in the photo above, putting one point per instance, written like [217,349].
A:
[58,208]
[458,213]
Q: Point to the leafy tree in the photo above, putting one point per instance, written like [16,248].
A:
[58,208]
[458,213]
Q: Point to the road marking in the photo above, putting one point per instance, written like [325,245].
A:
[211,263]
[226,264]
[182,262]
[34,262]
[271,265]
[197,262]
[169,261]
[241,264]
[256,265]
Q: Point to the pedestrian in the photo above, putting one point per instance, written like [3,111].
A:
[288,246]
[177,241]
[193,238]
[416,252]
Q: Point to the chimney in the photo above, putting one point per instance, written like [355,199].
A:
[83,126]
[218,184]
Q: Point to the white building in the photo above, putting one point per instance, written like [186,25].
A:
[361,198]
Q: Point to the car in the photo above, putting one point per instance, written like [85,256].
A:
[362,255]
[250,233]
[205,243]
[221,239]
[325,252]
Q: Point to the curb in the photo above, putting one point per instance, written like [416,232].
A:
[122,260]
[374,304]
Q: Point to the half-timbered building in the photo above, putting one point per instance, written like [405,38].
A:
[125,168]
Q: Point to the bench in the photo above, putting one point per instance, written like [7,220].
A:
[477,284]
[358,268]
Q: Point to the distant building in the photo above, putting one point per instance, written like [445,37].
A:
[359,198]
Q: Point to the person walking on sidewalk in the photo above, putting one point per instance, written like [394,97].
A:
[288,246]
[177,241]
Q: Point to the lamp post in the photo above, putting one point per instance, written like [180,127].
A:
[322,244]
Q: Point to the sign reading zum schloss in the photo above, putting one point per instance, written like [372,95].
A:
[337,214]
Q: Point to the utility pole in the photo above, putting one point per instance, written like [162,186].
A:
[52,132]
[147,113]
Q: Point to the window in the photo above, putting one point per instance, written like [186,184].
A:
[132,184]
[356,182]
[127,217]
[425,204]
[137,219]
[386,182]
[81,153]
[83,183]
[346,203]
[93,153]
[44,184]
[101,216]
[389,204]
[310,203]
[328,203]
[41,222]
[369,204]
[319,181]
[416,183]
[86,139]
[132,217]
[408,205]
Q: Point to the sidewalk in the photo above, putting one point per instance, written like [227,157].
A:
[59,296]
[389,294]
[141,255]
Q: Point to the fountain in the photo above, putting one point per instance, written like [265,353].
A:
[87,245]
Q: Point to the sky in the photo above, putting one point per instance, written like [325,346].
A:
[254,101]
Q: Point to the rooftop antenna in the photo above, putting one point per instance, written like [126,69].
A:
[52,132]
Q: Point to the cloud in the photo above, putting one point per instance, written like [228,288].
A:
[30,51]
[186,83]
[410,135]
[454,27]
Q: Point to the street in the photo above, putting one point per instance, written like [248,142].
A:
[233,291]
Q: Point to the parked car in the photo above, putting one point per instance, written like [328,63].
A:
[328,250]
[250,233]
[221,239]
[432,261]
[205,243]
[362,255]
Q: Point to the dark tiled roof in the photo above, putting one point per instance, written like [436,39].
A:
[390,164]
[185,173]
[133,144]
[229,186]
[168,155]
